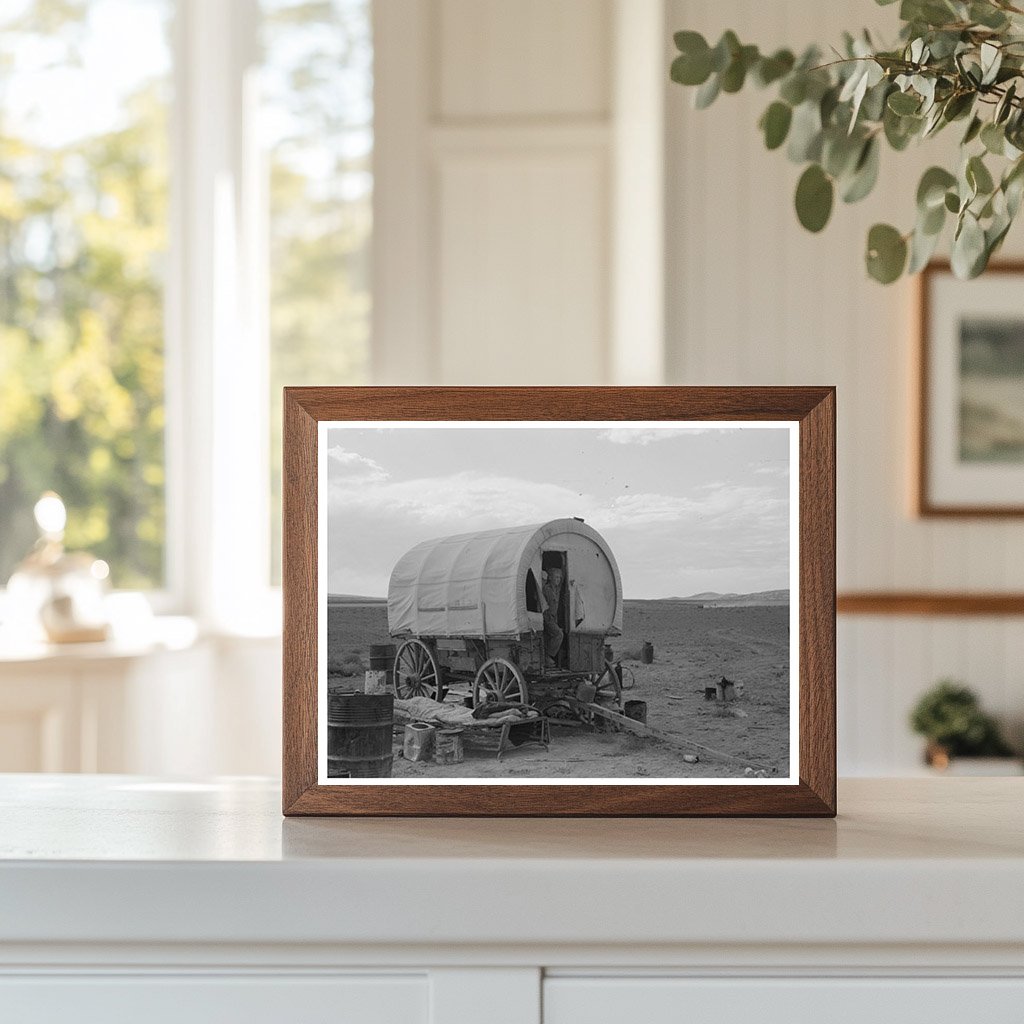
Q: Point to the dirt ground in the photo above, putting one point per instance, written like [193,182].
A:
[693,647]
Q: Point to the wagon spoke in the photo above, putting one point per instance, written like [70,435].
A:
[416,672]
[499,680]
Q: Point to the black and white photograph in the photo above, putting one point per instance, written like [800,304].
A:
[544,602]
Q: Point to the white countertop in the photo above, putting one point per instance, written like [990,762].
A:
[121,859]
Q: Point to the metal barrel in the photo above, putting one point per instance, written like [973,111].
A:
[359,740]
[647,653]
[382,657]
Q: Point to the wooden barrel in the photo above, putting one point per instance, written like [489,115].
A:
[359,734]
[382,657]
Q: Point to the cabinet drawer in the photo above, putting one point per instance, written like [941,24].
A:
[202,999]
[674,1000]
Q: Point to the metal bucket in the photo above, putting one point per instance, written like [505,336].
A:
[448,746]
[418,741]
[636,709]
[359,734]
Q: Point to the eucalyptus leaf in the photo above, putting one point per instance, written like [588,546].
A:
[958,105]
[735,74]
[1005,105]
[931,190]
[873,106]
[993,138]
[865,173]
[922,248]
[805,133]
[775,124]
[886,253]
[690,69]
[814,196]
[978,176]
[724,51]
[903,103]
[968,247]
[900,130]
[840,152]
[794,88]
[932,221]
[771,69]
[973,130]
[991,60]
[707,93]
[987,15]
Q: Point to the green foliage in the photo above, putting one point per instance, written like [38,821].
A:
[82,232]
[956,60]
[82,248]
[814,194]
[949,715]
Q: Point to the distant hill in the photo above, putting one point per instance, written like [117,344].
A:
[725,600]
[713,599]
[354,599]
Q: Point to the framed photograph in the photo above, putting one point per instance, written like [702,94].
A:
[559,601]
[970,451]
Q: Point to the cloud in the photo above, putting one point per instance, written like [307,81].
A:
[353,468]
[648,435]
[478,501]
[718,535]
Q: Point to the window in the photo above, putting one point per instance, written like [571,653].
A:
[83,235]
[167,264]
[317,117]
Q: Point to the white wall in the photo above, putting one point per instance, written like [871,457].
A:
[512,150]
[754,299]
[505,132]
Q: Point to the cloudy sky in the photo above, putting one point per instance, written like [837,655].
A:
[684,510]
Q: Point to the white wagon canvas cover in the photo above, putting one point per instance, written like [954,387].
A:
[477,584]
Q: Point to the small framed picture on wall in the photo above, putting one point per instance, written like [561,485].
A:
[970,451]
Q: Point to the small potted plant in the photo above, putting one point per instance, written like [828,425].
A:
[950,717]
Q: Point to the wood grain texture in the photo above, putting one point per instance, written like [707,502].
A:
[924,505]
[925,603]
[813,407]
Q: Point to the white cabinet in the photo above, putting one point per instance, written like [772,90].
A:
[127,899]
[828,1000]
[204,999]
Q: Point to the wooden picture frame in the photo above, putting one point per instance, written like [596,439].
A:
[810,791]
[943,489]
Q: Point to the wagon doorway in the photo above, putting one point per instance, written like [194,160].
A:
[552,562]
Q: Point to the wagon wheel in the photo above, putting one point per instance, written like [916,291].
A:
[416,672]
[499,679]
[609,689]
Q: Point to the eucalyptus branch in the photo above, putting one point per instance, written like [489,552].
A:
[953,61]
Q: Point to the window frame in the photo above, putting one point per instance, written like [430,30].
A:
[217,351]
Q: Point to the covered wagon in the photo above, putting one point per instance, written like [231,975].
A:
[520,614]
